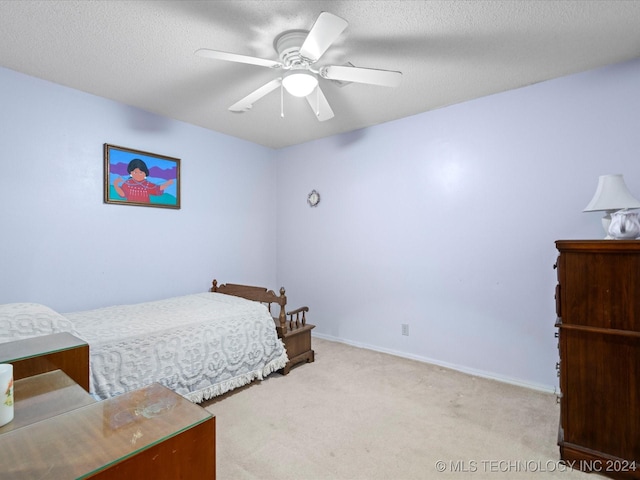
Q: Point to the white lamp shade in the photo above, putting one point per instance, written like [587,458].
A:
[300,83]
[611,194]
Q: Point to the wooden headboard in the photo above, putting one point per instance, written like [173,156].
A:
[258,294]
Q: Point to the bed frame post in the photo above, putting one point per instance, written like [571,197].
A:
[282,317]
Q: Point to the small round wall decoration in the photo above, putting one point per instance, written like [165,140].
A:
[313,199]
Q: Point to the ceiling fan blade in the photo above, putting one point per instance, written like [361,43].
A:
[384,78]
[326,29]
[234,57]
[320,105]
[247,102]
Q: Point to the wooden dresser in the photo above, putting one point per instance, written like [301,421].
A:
[598,320]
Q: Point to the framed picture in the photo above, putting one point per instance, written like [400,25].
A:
[134,177]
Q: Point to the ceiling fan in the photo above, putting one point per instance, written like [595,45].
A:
[298,51]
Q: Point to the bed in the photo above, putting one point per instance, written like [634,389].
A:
[200,345]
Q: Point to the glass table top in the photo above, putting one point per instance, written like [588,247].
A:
[85,440]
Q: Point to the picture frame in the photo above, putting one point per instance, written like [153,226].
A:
[144,179]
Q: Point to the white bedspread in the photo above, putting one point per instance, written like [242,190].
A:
[198,345]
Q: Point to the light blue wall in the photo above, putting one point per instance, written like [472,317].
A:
[446,221]
[62,246]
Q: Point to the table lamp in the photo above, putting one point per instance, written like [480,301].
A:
[611,195]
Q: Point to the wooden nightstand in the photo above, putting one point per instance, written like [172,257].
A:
[296,337]
[298,345]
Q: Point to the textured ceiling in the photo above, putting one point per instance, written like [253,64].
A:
[141,53]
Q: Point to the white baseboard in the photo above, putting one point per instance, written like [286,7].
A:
[452,366]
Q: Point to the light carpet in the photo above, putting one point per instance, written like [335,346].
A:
[359,414]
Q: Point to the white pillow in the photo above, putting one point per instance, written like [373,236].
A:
[26,320]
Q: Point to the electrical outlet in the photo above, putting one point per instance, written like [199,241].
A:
[405,329]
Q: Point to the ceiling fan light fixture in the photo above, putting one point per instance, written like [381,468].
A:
[298,51]
[299,83]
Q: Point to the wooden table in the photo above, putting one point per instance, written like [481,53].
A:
[151,432]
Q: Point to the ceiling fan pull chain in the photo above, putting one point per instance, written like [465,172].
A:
[281,100]
[318,101]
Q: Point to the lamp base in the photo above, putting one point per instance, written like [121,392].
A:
[606,222]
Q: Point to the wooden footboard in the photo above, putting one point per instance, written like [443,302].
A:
[292,327]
